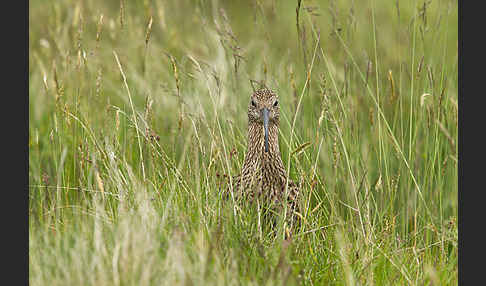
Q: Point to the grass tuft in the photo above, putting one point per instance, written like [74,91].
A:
[138,122]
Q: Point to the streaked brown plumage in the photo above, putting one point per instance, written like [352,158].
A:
[263,174]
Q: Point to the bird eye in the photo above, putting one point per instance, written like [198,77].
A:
[276,103]
[253,103]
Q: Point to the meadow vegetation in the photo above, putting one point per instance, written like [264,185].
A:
[137,118]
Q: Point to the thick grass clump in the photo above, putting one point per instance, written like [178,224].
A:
[137,119]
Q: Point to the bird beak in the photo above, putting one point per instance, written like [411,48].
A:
[265,127]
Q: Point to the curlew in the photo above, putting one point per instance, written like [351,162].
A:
[263,174]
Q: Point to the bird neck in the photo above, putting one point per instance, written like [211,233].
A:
[255,154]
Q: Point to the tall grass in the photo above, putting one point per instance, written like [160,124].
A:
[137,121]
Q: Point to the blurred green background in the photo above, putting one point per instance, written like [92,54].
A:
[125,177]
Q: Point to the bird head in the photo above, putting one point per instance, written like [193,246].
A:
[264,109]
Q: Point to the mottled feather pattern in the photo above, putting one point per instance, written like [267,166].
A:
[263,174]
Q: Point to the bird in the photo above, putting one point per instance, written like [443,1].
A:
[263,175]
